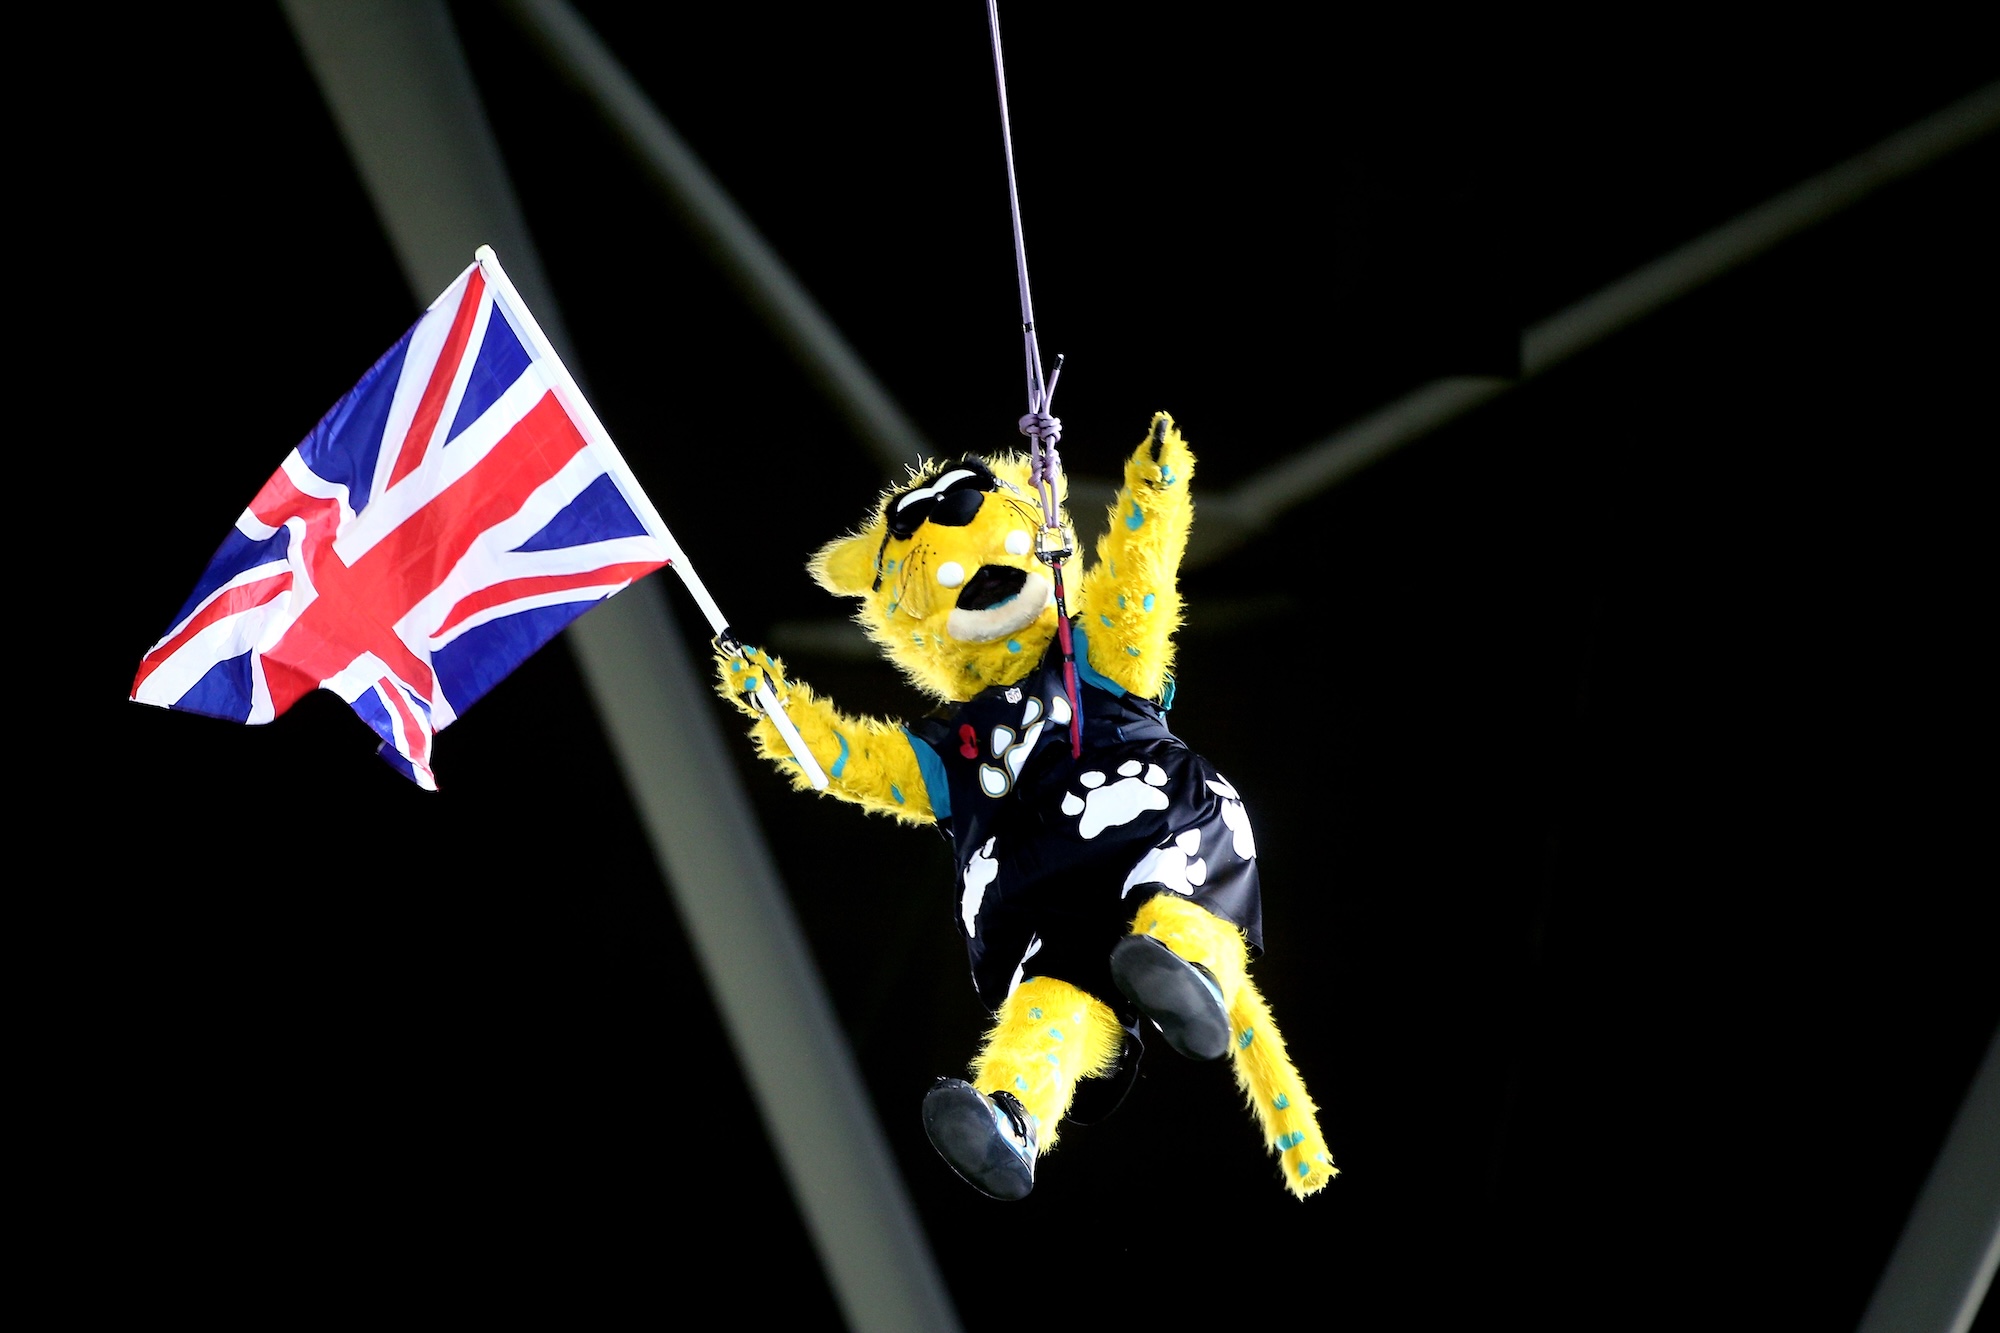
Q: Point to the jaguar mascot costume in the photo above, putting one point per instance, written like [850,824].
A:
[1104,888]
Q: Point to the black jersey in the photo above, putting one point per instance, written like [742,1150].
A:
[1056,852]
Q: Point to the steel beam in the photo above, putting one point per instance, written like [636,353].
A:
[1942,1266]
[1231,518]
[395,77]
[764,280]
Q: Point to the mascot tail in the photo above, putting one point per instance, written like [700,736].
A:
[1264,1071]
[1276,1093]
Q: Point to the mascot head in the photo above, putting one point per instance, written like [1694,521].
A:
[947,576]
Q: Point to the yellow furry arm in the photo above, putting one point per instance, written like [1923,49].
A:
[867,761]
[1131,603]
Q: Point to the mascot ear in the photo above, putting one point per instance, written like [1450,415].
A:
[847,566]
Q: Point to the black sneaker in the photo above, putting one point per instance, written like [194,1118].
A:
[1180,997]
[990,1141]
[1096,1098]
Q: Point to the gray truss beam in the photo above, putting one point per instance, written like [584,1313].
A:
[395,77]
[766,283]
[1230,519]
[1942,1266]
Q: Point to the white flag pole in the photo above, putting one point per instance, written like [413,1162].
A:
[580,411]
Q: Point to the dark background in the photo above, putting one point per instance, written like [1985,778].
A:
[1616,754]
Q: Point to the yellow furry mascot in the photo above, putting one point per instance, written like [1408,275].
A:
[1107,876]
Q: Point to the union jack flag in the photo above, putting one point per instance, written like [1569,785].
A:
[451,514]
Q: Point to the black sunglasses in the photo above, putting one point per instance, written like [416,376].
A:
[950,500]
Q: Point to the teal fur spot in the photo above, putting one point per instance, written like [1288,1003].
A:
[1083,669]
[889,568]
[893,606]
[1243,1041]
[1282,1102]
[1035,1014]
[736,665]
[1013,645]
[1114,567]
[931,769]
[841,762]
[1148,603]
[1020,1083]
[1304,1170]
[896,793]
[1106,619]
[1135,518]
[917,639]
[1291,1140]
[1054,1059]
[1121,601]
[1167,477]
[1056,1033]
[1134,652]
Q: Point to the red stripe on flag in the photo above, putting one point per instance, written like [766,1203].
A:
[413,746]
[514,589]
[417,441]
[279,499]
[233,602]
[357,609]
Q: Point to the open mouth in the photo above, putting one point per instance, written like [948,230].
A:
[996,602]
[991,586]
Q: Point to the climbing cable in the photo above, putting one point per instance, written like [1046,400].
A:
[1043,430]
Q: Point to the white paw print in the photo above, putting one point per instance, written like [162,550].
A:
[1121,802]
[1175,865]
[1238,819]
[980,872]
[1021,968]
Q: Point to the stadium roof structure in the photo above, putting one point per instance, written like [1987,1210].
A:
[1592,534]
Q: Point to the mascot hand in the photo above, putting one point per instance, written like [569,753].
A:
[1162,458]
[741,673]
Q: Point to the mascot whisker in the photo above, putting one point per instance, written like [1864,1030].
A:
[1107,878]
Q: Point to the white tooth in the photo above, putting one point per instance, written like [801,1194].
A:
[951,573]
[1017,542]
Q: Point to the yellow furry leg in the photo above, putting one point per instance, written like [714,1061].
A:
[1264,1072]
[1048,1035]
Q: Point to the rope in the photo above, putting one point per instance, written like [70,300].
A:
[1042,429]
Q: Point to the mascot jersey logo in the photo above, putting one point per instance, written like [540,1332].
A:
[1145,846]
